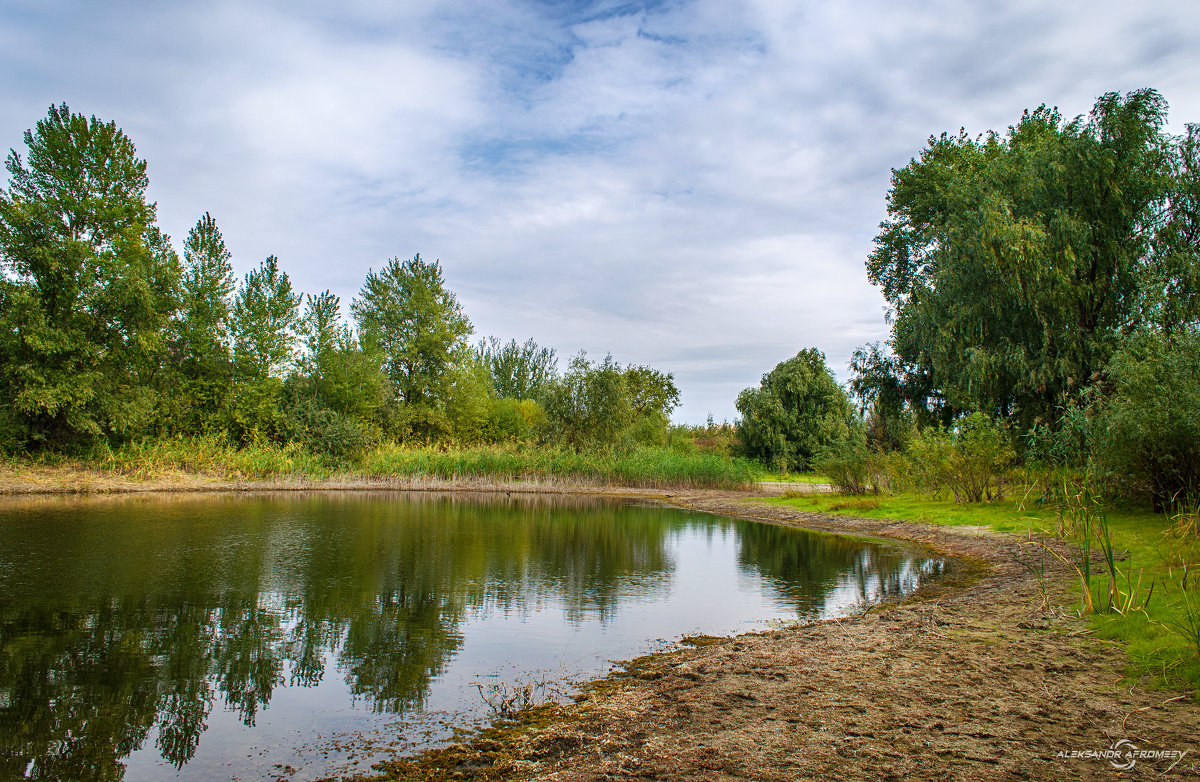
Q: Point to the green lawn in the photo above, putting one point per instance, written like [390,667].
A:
[1146,549]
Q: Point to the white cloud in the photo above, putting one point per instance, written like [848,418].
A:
[692,184]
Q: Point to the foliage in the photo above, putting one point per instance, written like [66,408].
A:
[513,420]
[852,466]
[87,286]
[589,404]
[1011,262]
[1149,424]
[334,369]
[518,371]
[324,431]
[263,322]
[199,333]
[886,394]
[711,437]
[408,317]
[264,318]
[970,460]
[467,399]
[651,393]
[798,410]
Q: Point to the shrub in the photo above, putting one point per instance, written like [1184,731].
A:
[970,460]
[797,411]
[1149,426]
[325,432]
[852,466]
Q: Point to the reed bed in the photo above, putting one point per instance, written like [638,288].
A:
[399,465]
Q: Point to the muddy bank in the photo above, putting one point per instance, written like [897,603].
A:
[972,679]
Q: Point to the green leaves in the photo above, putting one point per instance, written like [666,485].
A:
[518,371]
[90,283]
[264,319]
[1149,424]
[1012,263]
[798,410]
[408,317]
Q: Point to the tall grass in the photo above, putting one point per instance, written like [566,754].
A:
[647,467]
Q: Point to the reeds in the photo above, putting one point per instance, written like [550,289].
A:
[1081,517]
[641,467]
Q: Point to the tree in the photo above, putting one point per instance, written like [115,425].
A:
[798,410]
[1013,263]
[88,283]
[323,333]
[518,371]
[264,319]
[589,404]
[334,397]
[200,332]
[408,318]
[652,395]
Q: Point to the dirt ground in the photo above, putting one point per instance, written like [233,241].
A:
[971,679]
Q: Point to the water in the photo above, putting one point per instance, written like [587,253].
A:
[297,635]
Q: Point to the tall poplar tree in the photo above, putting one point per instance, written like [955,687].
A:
[201,330]
[87,287]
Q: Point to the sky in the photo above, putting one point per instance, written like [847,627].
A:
[692,185]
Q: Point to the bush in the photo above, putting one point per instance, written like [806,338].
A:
[1149,426]
[852,466]
[797,411]
[1069,443]
[325,432]
[647,430]
[513,420]
[970,460]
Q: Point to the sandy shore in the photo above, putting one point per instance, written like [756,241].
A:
[970,679]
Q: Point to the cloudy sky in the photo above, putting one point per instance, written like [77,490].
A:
[694,185]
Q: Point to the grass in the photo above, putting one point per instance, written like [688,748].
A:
[646,467]
[1150,558]
[762,473]
[211,458]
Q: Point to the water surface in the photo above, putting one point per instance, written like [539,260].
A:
[244,637]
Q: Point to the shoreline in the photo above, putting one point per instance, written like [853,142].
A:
[971,677]
[968,678]
[42,480]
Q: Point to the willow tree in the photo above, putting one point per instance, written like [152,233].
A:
[1013,263]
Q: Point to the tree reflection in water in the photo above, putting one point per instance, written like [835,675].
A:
[127,618]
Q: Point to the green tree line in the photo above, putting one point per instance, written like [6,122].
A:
[108,334]
[1043,282]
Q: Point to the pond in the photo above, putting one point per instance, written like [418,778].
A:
[293,636]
